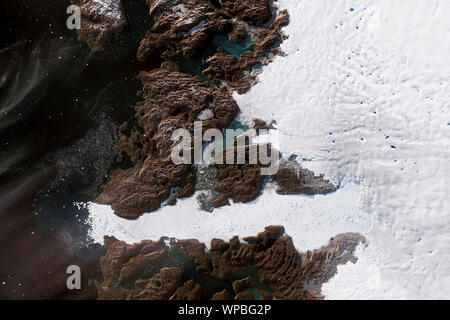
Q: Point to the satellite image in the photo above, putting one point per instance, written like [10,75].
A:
[197,150]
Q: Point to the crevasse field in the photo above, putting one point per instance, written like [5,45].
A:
[363,96]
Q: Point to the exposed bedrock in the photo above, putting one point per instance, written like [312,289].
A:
[240,182]
[239,73]
[101,20]
[239,33]
[259,124]
[184,29]
[245,182]
[266,266]
[291,180]
[170,100]
[180,27]
[254,12]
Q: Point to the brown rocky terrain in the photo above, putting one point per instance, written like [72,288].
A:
[181,27]
[291,180]
[259,124]
[254,12]
[239,182]
[237,73]
[171,100]
[266,266]
[100,21]
[244,182]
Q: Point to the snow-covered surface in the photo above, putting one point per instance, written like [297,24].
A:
[307,219]
[364,95]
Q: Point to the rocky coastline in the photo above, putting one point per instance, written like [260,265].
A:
[184,33]
[171,99]
[263,267]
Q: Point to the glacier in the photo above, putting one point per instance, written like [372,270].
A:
[363,97]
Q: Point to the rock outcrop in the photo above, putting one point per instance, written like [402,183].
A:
[266,266]
[180,28]
[240,182]
[101,20]
[183,27]
[239,73]
[253,12]
[291,180]
[259,124]
[171,100]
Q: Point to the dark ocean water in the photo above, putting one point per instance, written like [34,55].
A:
[60,108]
